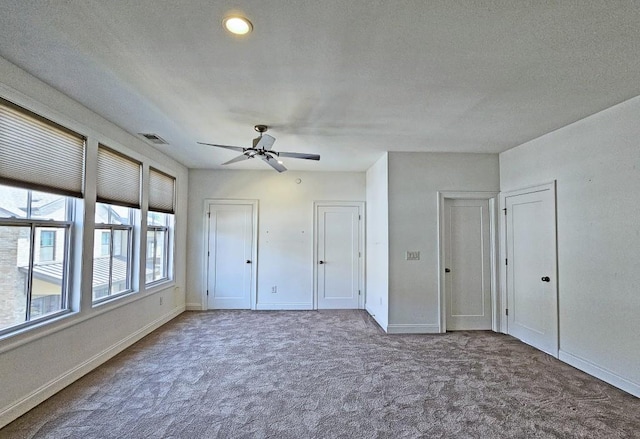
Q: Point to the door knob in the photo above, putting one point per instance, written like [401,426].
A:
[446,270]
[248,261]
[546,279]
[321,262]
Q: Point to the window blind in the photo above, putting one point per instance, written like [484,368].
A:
[117,178]
[38,154]
[161,191]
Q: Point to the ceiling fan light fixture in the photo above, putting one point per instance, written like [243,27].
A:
[237,25]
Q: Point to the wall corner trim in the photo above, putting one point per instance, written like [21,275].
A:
[22,406]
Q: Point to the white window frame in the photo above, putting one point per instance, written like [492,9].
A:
[33,225]
[130,260]
[167,234]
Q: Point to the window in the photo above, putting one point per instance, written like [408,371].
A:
[105,243]
[118,195]
[158,232]
[36,205]
[159,226]
[33,266]
[112,254]
[47,245]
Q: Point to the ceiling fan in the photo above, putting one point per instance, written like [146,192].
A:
[262,148]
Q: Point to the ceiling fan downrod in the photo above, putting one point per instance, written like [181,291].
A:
[261,128]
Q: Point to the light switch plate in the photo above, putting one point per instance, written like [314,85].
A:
[412,256]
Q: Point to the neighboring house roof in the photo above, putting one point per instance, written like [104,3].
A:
[49,208]
[101,271]
[14,203]
[43,205]
[103,211]
[6,213]
[53,272]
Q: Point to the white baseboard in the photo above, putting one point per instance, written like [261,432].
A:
[600,372]
[284,306]
[401,328]
[22,406]
[194,307]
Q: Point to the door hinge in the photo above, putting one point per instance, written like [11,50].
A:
[359,254]
[506,261]
[208,254]
[358,292]
[209,214]
[207,292]
[506,311]
[505,210]
[359,217]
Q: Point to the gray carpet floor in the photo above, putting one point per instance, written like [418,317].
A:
[328,374]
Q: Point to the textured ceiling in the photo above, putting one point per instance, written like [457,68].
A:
[345,79]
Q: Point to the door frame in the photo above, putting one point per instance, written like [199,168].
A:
[361,247]
[254,244]
[492,198]
[504,326]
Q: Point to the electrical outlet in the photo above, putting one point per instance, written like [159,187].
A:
[274,289]
[412,256]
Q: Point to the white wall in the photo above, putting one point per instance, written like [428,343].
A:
[378,241]
[42,360]
[596,163]
[285,227]
[414,182]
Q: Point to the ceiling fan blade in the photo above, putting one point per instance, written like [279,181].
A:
[238,159]
[299,155]
[233,148]
[265,142]
[273,163]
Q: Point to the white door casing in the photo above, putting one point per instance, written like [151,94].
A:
[531,267]
[491,276]
[338,255]
[231,254]
[468,264]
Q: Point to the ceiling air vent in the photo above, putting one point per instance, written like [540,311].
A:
[154,138]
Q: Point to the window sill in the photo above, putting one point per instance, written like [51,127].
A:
[110,299]
[49,326]
[37,329]
[157,285]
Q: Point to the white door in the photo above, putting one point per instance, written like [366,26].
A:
[468,264]
[338,257]
[230,253]
[532,300]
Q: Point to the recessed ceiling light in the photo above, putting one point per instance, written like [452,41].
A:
[237,25]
